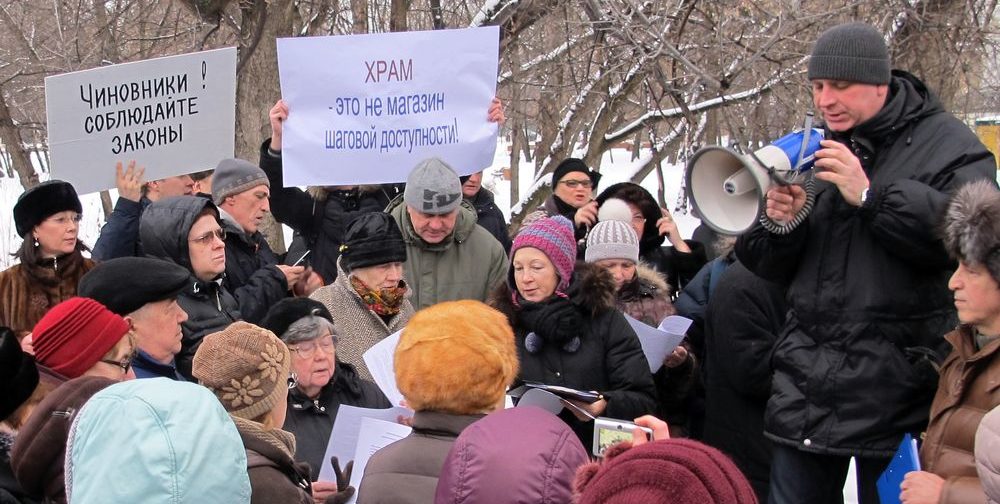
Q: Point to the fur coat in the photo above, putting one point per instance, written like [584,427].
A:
[28,291]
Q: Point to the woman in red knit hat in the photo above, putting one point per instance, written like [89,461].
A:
[81,337]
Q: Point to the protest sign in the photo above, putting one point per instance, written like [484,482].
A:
[173,115]
[367,108]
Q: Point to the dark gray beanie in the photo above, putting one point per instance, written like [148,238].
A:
[234,176]
[433,188]
[851,52]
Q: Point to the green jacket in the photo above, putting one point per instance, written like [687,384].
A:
[468,264]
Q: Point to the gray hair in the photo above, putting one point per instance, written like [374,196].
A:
[308,328]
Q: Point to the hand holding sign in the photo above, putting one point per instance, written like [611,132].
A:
[277,116]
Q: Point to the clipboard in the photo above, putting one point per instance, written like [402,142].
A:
[905,459]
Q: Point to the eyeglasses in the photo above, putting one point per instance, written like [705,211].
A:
[307,350]
[573,184]
[125,363]
[206,238]
[62,221]
[293,381]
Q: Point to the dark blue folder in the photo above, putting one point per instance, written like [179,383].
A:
[904,461]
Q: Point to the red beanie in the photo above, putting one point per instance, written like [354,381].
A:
[674,470]
[75,334]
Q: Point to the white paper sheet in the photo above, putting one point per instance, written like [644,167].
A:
[658,343]
[344,436]
[380,359]
[374,435]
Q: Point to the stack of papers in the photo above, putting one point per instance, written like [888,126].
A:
[380,359]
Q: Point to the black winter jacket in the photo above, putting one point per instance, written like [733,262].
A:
[867,287]
[120,234]
[491,218]
[742,322]
[322,222]
[609,360]
[312,420]
[252,274]
[209,306]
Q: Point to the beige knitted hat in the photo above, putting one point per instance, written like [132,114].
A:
[245,366]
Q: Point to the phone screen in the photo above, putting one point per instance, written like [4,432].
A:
[607,437]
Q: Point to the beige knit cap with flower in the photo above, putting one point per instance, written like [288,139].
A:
[245,366]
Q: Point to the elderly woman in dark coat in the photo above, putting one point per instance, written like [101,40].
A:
[567,329]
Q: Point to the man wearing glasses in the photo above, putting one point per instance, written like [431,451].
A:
[144,292]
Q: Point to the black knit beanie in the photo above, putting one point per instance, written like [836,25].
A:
[851,52]
[569,165]
[371,239]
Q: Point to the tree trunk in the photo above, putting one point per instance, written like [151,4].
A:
[516,139]
[437,15]
[397,15]
[257,86]
[11,140]
[359,11]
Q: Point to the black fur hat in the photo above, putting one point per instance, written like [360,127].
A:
[371,239]
[972,226]
[41,202]
[288,311]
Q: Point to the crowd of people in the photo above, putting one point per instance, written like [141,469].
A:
[183,360]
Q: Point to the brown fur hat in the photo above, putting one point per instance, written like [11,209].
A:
[456,357]
[972,226]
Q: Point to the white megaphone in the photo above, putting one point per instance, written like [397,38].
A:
[728,188]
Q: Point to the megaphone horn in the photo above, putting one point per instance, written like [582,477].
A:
[728,188]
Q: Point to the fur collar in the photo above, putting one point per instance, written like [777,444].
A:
[650,276]
[592,288]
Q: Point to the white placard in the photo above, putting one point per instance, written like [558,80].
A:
[173,115]
[380,359]
[346,429]
[373,436]
[365,109]
[658,343]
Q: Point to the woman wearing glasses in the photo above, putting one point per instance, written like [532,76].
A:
[80,337]
[248,369]
[324,382]
[51,262]
[573,185]
[185,230]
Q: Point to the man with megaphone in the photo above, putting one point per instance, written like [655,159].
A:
[866,273]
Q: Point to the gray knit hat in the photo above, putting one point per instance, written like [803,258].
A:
[433,188]
[972,226]
[612,239]
[245,366]
[851,52]
[234,176]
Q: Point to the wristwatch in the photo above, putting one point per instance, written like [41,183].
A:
[864,195]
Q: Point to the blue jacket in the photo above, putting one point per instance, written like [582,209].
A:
[120,234]
[155,440]
[145,367]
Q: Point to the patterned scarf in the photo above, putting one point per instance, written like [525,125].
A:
[385,301]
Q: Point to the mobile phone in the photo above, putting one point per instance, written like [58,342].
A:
[608,431]
[303,256]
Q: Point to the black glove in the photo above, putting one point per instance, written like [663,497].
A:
[344,488]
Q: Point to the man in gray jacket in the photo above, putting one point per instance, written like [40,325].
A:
[449,256]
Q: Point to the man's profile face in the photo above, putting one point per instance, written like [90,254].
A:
[977,296]
[432,228]
[249,207]
[845,105]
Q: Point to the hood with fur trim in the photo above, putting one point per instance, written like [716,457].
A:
[972,226]
[591,288]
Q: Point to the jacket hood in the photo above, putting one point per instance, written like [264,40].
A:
[465,224]
[640,197]
[909,100]
[528,445]
[592,288]
[165,225]
[646,274]
[190,449]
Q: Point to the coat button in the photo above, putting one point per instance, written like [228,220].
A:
[558,374]
[807,442]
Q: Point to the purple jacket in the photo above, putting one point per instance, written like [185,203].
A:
[518,455]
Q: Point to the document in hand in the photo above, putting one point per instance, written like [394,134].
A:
[587,396]
[380,359]
[904,461]
[541,398]
[346,429]
[374,435]
[658,342]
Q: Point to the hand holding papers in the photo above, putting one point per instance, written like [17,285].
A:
[347,428]
[658,342]
[380,359]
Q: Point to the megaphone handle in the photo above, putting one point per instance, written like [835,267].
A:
[800,217]
[806,135]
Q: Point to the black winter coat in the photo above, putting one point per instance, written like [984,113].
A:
[252,274]
[609,360]
[742,322]
[867,287]
[491,218]
[322,222]
[312,420]
[120,234]
[209,306]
